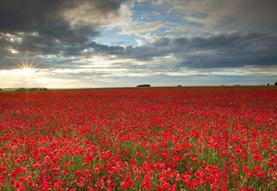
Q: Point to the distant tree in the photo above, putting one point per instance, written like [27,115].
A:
[143,85]
[275,84]
[268,84]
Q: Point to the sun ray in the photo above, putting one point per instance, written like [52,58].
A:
[26,67]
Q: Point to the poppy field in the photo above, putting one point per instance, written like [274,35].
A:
[205,138]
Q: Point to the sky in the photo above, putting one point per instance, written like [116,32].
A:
[119,43]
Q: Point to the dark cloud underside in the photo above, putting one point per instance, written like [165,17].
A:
[46,18]
[214,51]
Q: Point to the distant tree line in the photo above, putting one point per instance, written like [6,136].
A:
[30,89]
[22,89]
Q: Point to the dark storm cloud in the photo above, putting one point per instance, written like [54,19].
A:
[44,27]
[46,18]
[214,51]
[37,16]
[232,50]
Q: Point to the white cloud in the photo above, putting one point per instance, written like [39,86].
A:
[11,37]
[89,13]
[13,50]
[139,42]
[140,28]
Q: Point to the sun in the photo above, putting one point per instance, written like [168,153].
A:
[26,68]
[25,71]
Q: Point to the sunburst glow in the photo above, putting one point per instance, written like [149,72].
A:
[24,71]
[26,68]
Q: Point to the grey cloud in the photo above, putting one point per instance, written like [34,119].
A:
[106,48]
[35,16]
[44,28]
[47,19]
[241,16]
[214,51]
[225,50]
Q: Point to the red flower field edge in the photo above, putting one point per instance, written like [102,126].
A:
[139,139]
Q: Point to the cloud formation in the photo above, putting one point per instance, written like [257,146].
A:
[67,21]
[115,40]
[241,16]
[225,50]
